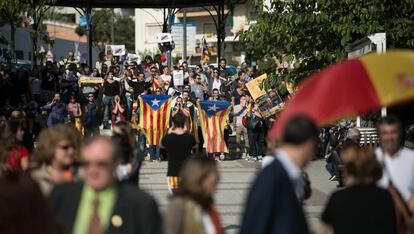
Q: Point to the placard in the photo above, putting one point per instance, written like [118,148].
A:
[115,50]
[178,77]
[254,86]
[90,84]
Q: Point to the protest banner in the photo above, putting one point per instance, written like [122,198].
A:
[115,50]
[90,84]
[254,86]
[178,78]
[269,103]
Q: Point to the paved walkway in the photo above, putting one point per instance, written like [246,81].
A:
[236,177]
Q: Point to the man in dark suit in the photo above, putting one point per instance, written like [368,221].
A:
[273,205]
[100,204]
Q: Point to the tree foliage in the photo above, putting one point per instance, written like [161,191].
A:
[314,33]
[124,28]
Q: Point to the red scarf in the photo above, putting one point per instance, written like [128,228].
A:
[212,212]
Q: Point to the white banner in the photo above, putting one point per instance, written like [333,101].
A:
[115,50]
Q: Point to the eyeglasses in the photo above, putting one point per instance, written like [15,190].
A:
[198,68]
[98,163]
[66,147]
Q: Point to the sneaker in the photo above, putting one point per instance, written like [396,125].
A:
[332,178]
[217,159]
[244,155]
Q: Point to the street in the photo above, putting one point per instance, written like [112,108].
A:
[236,177]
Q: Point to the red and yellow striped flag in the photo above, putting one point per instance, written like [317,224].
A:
[213,118]
[154,116]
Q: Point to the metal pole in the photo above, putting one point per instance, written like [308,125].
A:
[184,34]
[90,33]
[112,28]
[219,23]
[169,58]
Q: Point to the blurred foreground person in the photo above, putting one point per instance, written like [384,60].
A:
[273,205]
[362,207]
[13,155]
[56,150]
[192,209]
[23,209]
[131,155]
[100,204]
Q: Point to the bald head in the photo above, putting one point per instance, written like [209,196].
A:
[354,135]
[99,162]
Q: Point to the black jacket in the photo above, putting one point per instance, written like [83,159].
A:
[272,205]
[138,210]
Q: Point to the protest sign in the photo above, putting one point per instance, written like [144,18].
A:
[178,77]
[254,86]
[90,84]
[115,50]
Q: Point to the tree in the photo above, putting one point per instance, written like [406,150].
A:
[37,10]
[314,33]
[12,14]
[101,23]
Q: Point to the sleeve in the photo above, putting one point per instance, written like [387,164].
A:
[174,217]
[262,198]
[193,141]
[23,152]
[165,141]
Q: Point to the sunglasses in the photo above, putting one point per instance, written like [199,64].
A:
[66,147]
[90,96]
[98,163]
[153,71]
[215,72]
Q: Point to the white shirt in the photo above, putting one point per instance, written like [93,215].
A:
[216,85]
[293,171]
[400,168]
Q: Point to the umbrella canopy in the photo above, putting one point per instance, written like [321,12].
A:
[352,87]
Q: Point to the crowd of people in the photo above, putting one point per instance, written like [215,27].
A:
[59,175]
[54,94]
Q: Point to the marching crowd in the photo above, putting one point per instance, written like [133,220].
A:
[78,181]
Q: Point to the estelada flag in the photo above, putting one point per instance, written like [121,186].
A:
[213,119]
[154,116]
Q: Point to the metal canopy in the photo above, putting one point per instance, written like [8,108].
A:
[144,3]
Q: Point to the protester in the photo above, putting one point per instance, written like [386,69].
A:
[74,112]
[23,209]
[122,207]
[118,110]
[178,143]
[54,157]
[111,89]
[283,182]
[361,207]
[239,111]
[13,155]
[57,111]
[90,117]
[192,209]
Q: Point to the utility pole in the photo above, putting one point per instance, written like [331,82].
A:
[112,27]
[184,34]
[90,33]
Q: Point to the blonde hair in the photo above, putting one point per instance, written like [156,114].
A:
[192,175]
[50,137]
[361,164]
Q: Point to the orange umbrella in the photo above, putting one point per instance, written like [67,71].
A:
[352,87]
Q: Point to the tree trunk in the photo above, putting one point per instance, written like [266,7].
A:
[13,41]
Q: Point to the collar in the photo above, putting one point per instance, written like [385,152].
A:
[291,168]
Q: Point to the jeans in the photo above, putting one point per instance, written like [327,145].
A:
[107,102]
[154,152]
[128,101]
[256,141]
[142,141]
[329,168]
[242,131]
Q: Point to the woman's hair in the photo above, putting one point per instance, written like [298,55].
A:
[50,137]
[23,209]
[179,120]
[109,72]
[8,138]
[127,131]
[193,174]
[361,164]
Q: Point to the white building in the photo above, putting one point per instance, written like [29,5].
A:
[149,22]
